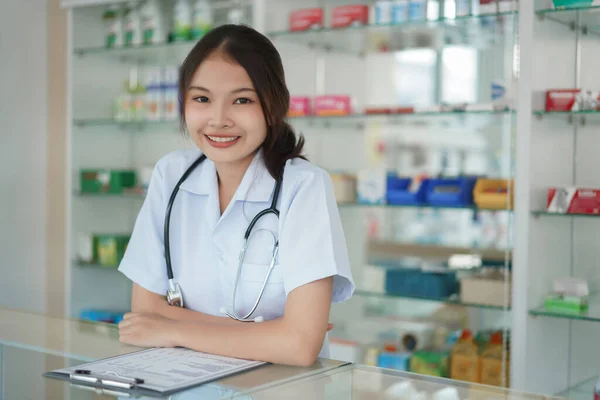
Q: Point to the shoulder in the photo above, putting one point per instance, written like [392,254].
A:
[300,174]
[307,185]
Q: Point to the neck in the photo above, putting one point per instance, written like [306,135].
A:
[230,176]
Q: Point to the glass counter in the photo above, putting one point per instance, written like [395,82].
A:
[32,344]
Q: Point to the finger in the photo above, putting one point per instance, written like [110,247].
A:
[329,327]
[129,315]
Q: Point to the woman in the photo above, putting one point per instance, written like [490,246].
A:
[234,103]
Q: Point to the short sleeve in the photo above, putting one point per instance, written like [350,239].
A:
[144,261]
[311,240]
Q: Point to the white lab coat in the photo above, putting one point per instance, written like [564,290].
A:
[205,245]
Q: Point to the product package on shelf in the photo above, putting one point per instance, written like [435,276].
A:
[299,106]
[494,194]
[372,186]
[106,180]
[332,105]
[490,287]
[344,187]
[564,100]
[571,200]
[302,20]
[106,316]
[106,250]
[350,15]
[568,295]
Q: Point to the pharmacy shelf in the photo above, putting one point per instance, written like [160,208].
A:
[321,120]
[591,314]
[151,54]
[581,391]
[141,195]
[589,16]
[583,117]
[452,300]
[424,33]
[82,264]
[563,215]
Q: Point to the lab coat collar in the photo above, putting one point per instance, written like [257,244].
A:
[257,184]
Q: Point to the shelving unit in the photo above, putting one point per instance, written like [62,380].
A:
[454,62]
[555,352]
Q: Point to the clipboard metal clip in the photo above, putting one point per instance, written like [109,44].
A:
[107,378]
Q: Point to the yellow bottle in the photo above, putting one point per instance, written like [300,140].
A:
[464,359]
[491,362]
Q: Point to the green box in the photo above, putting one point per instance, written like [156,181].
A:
[110,249]
[106,180]
[574,304]
[434,363]
[571,3]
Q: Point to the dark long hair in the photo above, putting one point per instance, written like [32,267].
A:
[257,55]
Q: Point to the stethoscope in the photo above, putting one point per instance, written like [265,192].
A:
[174,293]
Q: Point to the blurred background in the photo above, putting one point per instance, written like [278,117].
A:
[419,111]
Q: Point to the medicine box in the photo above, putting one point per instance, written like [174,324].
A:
[106,180]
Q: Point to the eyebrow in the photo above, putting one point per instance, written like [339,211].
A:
[240,90]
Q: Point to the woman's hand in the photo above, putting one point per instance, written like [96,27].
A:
[147,330]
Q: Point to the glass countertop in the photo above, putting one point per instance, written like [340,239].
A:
[32,344]
[359,382]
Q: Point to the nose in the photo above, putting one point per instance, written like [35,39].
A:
[219,117]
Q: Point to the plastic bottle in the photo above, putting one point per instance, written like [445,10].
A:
[113,26]
[464,359]
[133,24]
[182,20]
[153,26]
[202,19]
[490,370]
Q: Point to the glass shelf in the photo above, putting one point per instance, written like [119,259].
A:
[160,53]
[581,391]
[137,195]
[82,264]
[128,195]
[452,300]
[414,206]
[589,16]
[591,116]
[395,36]
[592,313]
[552,214]
[325,120]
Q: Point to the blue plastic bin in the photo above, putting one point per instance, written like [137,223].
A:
[113,317]
[417,283]
[398,193]
[463,197]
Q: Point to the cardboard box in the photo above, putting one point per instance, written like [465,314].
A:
[561,99]
[332,105]
[570,200]
[106,181]
[353,15]
[486,289]
[310,18]
[299,106]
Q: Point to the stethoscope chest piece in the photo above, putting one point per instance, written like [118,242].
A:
[174,294]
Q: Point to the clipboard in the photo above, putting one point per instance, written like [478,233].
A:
[155,372]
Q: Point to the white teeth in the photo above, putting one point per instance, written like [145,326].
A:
[222,139]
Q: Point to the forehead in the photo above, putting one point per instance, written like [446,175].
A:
[219,72]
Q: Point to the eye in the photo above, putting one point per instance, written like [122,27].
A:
[201,99]
[242,100]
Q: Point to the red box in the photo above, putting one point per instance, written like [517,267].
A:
[571,200]
[299,106]
[561,99]
[332,105]
[355,15]
[310,18]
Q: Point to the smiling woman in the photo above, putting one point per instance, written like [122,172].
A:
[276,292]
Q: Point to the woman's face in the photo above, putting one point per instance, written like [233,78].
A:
[222,111]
